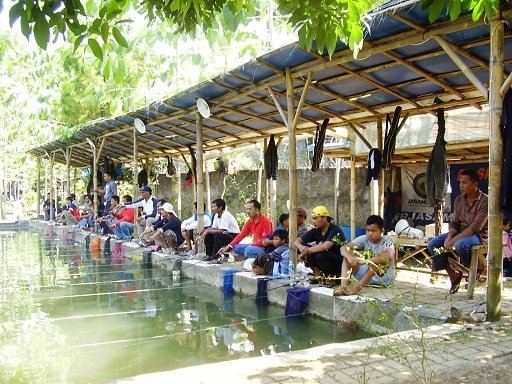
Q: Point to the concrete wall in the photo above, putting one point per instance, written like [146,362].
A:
[315,188]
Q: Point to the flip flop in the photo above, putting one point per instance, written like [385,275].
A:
[456,284]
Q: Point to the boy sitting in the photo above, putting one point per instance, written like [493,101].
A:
[263,264]
[371,258]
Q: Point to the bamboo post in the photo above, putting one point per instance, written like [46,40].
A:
[53,197]
[260,175]
[337,189]
[292,179]
[95,181]
[273,201]
[38,187]
[494,256]
[135,165]
[207,183]
[267,184]
[178,199]
[352,196]
[68,170]
[74,179]
[381,186]
[199,173]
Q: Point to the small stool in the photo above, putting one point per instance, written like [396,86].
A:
[478,253]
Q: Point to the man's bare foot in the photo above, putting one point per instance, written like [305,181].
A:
[353,289]
[341,291]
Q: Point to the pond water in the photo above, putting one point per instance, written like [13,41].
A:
[66,317]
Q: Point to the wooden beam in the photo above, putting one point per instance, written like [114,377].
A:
[506,85]
[278,106]
[292,169]
[360,135]
[302,99]
[462,66]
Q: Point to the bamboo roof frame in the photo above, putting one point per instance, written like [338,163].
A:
[244,111]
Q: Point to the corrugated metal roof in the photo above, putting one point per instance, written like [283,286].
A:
[400,64]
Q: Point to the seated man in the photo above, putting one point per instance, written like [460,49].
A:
[258,225]
[324,258]
[148,203]
[71,215]
[377,268]
[144,236]
[189,225]
[223,230]
[302,227]
[123,226]
[86,212]
[167,231]
[468,227]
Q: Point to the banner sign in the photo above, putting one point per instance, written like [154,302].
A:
[414,192]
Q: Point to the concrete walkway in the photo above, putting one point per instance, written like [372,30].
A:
[434,351]
[425,355]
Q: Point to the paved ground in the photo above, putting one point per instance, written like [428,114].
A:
[470,351]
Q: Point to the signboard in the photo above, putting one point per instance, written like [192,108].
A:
[414,192]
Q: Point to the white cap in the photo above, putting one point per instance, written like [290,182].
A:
[167,207]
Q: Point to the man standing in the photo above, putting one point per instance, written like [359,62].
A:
[109,190]
[258,225]
[468,227]
[46,208]
[222,232]
[324,257]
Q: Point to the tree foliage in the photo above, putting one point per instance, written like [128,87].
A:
[97,23]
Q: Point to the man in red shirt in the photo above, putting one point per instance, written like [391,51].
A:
[258,225]
[123,227]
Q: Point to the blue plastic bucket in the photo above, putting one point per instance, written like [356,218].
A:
[228,281]
[296,301]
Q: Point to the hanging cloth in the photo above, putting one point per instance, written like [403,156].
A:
[437,176]
[390,138]
[374,165]
[271,159]
[319,145]
[506,130]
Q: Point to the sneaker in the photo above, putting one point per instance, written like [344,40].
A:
[189,253]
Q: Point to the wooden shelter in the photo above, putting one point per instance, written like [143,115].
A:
[405,61]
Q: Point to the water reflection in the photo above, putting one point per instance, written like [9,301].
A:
[71,316]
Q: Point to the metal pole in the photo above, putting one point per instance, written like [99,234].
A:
[494,256]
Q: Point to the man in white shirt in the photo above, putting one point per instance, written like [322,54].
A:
[223,230]
[148,204]
[190,225]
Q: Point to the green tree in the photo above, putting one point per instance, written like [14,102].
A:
[98,23]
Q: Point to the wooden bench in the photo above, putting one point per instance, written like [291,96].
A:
[478,256]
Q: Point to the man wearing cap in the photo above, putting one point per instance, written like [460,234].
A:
[324,257]
[148,204]
[258,225]
[166,232]
[302,227]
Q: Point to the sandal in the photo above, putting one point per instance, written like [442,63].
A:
[456,284]
[328,284]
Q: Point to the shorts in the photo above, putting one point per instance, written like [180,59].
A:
[385,280]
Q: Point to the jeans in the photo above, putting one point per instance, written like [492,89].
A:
[462,248]
[247,251]
[124,231]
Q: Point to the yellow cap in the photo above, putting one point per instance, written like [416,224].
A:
[320,211]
